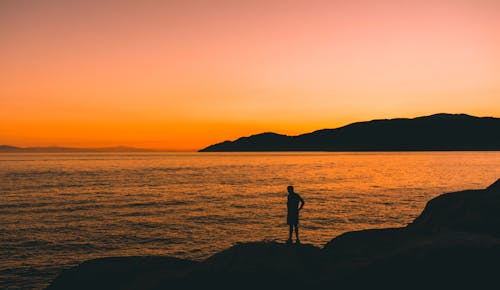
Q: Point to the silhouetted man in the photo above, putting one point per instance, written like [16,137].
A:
[292,218]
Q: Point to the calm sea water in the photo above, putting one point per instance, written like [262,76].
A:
[57,210]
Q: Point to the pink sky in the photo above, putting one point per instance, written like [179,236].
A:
[185,74]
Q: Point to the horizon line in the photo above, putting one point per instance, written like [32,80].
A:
[129,148]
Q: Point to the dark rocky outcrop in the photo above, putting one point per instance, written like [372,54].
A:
[261,264]
[143,272]
[454,243]
[474,211]
[439,132]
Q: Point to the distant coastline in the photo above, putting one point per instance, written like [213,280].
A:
[57,149]
[439,132]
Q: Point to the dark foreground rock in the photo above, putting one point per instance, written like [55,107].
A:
[147,272]
[454,243]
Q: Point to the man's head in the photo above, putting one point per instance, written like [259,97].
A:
[290,189]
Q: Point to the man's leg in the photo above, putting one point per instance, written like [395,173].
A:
[290,230]
[297,233]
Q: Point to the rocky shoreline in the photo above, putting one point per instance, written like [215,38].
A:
[455,242]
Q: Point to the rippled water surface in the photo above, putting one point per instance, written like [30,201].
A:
[57,210]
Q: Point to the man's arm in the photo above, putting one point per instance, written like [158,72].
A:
[301,202]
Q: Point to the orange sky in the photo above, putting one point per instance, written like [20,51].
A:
[185,74]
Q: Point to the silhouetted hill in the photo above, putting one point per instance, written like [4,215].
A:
[453,244]
[8,148]
[57,149]
[430,133]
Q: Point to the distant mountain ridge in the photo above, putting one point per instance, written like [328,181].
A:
[57,149]
[439,132]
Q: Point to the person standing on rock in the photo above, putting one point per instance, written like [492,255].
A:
[292,218]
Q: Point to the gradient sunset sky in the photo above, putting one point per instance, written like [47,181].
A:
[185,74]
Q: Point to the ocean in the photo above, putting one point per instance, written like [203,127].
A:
[58,210]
